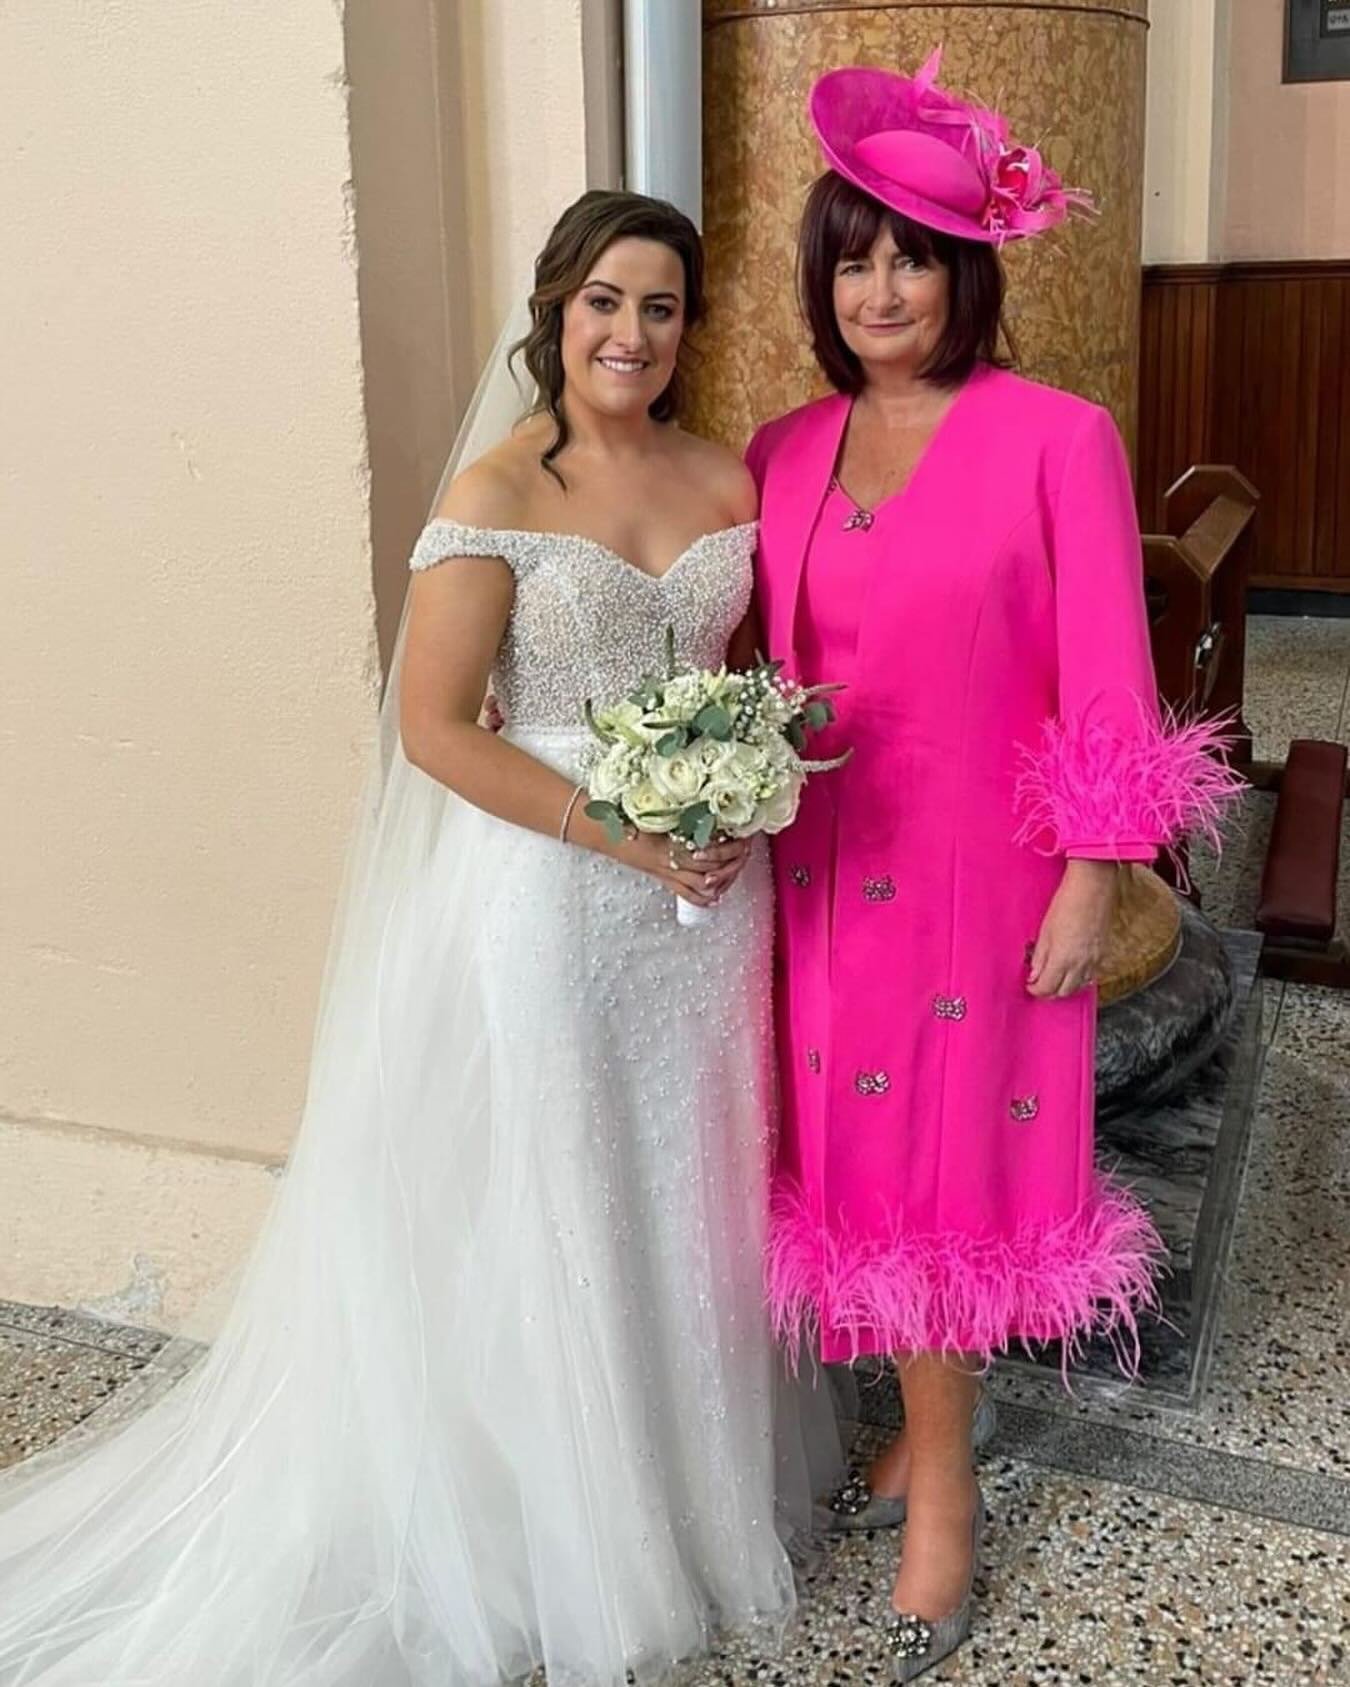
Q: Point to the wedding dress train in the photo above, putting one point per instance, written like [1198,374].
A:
[497,1391]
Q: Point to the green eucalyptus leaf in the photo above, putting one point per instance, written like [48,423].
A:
[648,691]
[672,742]
[713,721]
[692,818]
[609,817]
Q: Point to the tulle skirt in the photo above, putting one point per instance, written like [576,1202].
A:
[498,1389]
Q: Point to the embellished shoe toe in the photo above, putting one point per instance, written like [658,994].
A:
[854,1506]
[916,1645]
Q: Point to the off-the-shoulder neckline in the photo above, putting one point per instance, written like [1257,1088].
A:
[597,544]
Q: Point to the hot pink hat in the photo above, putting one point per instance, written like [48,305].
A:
[935,158]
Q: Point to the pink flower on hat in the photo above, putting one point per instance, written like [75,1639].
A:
[1025,194]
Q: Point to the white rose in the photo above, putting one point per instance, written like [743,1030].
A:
[713,753]
[609,775]
[678,778]
[745,763]
[646,807]
[732,804]
[780,810]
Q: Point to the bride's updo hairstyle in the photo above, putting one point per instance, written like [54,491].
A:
[584,232]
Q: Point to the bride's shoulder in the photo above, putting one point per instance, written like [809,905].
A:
[722,473]
[493,492]
[484,512]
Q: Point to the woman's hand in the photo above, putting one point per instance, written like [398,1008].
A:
[699,876]
[1073,933]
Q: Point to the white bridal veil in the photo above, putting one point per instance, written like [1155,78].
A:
[281,1514]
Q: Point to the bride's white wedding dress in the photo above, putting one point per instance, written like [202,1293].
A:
[498,1389]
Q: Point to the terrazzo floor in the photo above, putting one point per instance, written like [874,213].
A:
[1129,1545]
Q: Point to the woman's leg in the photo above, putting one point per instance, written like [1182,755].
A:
[888,1474]
[939,1394]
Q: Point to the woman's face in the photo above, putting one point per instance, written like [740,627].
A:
[890,309]
[621,329]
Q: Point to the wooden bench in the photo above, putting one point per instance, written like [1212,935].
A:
[1196,582]
[1297,908]
[1195,578]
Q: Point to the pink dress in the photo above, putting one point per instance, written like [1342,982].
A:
[935,1186]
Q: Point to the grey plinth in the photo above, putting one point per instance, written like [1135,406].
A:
[1151,1042]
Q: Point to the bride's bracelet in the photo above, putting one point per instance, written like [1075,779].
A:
[567,813]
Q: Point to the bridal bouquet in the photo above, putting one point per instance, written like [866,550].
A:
[705,756]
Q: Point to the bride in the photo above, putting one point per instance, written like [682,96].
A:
[498,1390]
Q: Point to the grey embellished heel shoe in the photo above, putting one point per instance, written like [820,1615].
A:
[853,1505]
[917,1645]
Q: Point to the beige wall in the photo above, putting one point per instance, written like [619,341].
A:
[1186,133]
[471,129]
[1288,187]
[205,426]
[1239,165]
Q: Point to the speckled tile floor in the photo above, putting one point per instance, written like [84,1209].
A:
[1089,1583]
[48,1386]
[1298,679]
[1128,1545]
[1280,1384]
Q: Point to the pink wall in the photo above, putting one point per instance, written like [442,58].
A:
[1288,152]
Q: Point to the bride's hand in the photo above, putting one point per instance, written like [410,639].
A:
[701,877]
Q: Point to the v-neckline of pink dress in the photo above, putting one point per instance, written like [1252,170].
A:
[934,441]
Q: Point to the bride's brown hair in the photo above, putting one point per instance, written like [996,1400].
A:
[580,237]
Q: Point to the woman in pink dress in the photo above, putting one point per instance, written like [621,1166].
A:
[960,546]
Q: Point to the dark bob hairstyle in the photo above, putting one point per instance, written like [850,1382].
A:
[580,238]
[841,221]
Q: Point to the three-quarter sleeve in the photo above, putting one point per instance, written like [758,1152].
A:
[1113,777]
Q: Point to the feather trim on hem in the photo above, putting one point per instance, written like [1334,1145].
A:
[1092,781]
[1085,1276]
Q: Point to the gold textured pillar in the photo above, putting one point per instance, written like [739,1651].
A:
[1069,74]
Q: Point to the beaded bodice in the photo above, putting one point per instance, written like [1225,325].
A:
[586,623]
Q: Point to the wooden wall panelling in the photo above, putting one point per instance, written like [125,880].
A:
[1334,437]
[1176,387]
[1249,364]
[1330,463]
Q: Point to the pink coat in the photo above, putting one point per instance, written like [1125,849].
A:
[935,1186]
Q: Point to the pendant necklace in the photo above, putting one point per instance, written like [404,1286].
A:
[859,519]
